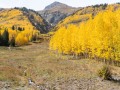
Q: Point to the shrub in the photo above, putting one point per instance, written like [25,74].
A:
[105,73]
[12,42]
[21,40]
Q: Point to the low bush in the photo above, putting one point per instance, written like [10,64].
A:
[105,73]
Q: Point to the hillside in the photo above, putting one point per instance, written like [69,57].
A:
[24,18]
[56,11]
[85,14]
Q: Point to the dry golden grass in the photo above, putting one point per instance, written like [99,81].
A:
[37,62]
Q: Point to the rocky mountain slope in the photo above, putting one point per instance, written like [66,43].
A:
[1,9]
[56,11]
[24,18]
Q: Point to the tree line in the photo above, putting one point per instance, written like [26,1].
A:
[98,37]
[12,37]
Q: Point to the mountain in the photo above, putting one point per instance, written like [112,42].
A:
[56,12]
[1,9]
[84,14]
[57,6]
[23,17]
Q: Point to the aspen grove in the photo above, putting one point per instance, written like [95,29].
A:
[97,37]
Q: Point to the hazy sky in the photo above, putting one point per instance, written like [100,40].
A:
[40,4]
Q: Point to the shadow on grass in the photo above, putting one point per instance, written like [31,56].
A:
[115,80]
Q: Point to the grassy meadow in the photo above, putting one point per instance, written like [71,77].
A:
[36,62]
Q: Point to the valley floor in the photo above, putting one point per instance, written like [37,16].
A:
[35,67]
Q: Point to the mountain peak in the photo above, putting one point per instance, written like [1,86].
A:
[54,4]
[56,11]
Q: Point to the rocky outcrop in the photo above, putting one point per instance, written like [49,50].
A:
[36,20]
[53,17]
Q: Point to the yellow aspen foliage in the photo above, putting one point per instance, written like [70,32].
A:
[21,37]
[12,33]
[26,36]
[21,40]
[98,37]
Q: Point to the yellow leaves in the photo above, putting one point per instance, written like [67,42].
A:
[21,40]
[21,37]
[12,33]
[15,17]
[25,36]
[19,25]
[97,37]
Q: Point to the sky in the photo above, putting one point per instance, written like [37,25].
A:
[40,4]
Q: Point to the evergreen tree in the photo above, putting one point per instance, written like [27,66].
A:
[34,37]
[5,38]
[0,38]
[13,27]
[19,28]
